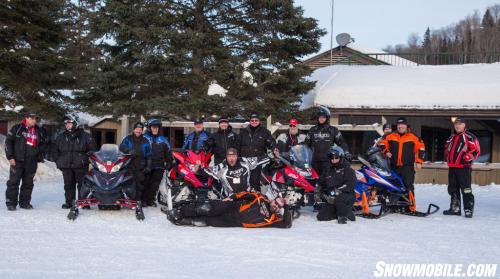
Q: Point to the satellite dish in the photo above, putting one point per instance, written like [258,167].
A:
[343,39]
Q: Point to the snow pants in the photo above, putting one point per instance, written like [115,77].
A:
[73,179]
[459,182]
[22,172]
[341,207]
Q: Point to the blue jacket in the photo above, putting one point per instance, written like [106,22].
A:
[140,148]
[201,144]
[161,151]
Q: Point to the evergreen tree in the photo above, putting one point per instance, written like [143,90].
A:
[32,35]
[426,44]
[488,21]
[159,57]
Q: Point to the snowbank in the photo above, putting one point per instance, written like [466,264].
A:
[112,244]
[46,170]
[472,86]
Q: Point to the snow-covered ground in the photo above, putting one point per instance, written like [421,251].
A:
[42,243]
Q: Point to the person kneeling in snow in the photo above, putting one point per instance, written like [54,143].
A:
[336,187]
[234,173]
[244,209]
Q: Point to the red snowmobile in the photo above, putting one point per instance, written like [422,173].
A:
[294,177]
[186,181]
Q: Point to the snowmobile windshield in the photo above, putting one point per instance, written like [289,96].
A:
[380,163]
[109,152]
[301,156]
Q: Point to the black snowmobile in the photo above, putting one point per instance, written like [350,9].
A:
[108,184]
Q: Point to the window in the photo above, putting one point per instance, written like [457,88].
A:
[435,140]
[485,139]
[110,137]
[359,141]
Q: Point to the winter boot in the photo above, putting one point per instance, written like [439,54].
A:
[351,216]
[11,207]
[287,218]
[66,205]
[455,206]
[26,206]
[342,220]
[468,213]
[174,216]
[468,204]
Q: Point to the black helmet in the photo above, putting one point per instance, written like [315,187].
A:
[154,122]
[71,118]
[335,151]
[138,125]
[323,111]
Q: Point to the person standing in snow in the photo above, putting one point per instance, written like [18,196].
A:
[219,142]
[336,187]
[25,145]
[197,140]
[255,141]
[138,146]
[323,136]
[161,160]
[285,141]
[461,149]
[70,153]
[405,151]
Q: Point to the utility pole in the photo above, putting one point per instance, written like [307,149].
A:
[331,34]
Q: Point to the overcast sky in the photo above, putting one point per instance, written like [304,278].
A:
[378,23]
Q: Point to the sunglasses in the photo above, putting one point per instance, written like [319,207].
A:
[293,126]
[335,157]
[254,120]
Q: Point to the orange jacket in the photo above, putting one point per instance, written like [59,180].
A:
[406,149]
[254,210]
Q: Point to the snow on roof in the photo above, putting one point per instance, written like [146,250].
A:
[471,86]
[89,119]
[390,59]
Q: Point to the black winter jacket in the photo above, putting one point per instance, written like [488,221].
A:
[219,142]
[16,147]
[321,137]
[255,143]
[70,148]
[340,178]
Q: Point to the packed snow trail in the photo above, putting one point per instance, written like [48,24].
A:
[42,243]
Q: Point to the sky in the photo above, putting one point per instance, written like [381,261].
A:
[378,23]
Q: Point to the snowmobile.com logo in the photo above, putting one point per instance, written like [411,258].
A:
[384,269]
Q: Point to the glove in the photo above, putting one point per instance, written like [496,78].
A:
[348,157]
[330,199]
[317,195]
[147,170]
[467,159]
[132,152]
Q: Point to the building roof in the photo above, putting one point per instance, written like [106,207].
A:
[355,54]
[462,87]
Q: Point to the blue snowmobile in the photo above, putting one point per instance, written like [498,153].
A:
[380,187]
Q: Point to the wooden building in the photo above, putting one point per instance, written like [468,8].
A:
[429,96]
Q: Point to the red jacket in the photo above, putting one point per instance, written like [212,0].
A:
[461,149]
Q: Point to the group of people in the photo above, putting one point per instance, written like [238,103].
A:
[238,159]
